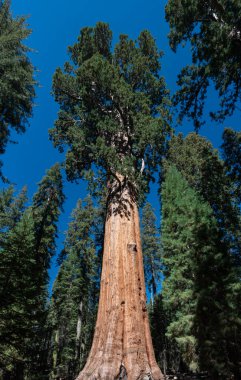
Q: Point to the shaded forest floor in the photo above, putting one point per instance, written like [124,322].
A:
[188,376]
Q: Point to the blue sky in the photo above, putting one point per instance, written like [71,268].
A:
[55,24]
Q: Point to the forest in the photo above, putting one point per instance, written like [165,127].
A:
[120,195]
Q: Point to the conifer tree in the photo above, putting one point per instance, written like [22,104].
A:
[11,210]
[46,208]
[213,29]
[199,281]
[27,242]
[74,299]
[18,302]
[16,75]
[114,118]
[151,249]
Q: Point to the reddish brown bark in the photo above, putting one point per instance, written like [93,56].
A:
[122,346]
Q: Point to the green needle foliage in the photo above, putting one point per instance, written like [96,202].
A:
[27,242]
[16,75]
[114,107]
[75,294]
[231,149]
[151,249]
[200,291]
[14,262]
[213,28]
[19,300]
[11,208]
[210,176]
[46,208]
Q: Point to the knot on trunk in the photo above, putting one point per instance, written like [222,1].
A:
[132,247]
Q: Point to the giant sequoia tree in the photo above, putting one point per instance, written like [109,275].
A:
[114,117]
[213,27]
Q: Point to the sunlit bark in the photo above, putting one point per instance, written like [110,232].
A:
[122,346]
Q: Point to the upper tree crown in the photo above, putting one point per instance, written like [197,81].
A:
[114,106]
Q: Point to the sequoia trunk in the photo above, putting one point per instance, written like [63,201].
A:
[122,346]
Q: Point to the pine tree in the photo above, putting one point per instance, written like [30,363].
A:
[213,29]
[18,296]
[11,211]
[46,207]
[16,75]
[199,281]
[114,118]
[27,242]
[151,249]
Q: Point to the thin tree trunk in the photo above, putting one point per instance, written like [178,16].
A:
[122,346]
[78,331]
[55,352]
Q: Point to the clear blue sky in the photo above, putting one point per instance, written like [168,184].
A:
[55,24]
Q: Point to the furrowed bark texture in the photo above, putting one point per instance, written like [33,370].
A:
[122,346]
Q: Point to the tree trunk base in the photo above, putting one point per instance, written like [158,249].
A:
[110,374]
[122,346]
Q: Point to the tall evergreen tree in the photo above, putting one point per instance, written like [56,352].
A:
[16,75]
[213,28]
[18,316]
[46,208]
[114,118]
[151,249]
[200,288]
[74,300]
[27,242]
[15,258]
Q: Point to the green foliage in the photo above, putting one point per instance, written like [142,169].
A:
[200,289]
[16,75]
[46,207]
[151,249]
[205,172]
[11,208]
[213,29]
[114,107]
[19,294]
[27,242]
[231,149]
[74,300]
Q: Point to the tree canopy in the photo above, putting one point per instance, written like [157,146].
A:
[114,106]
